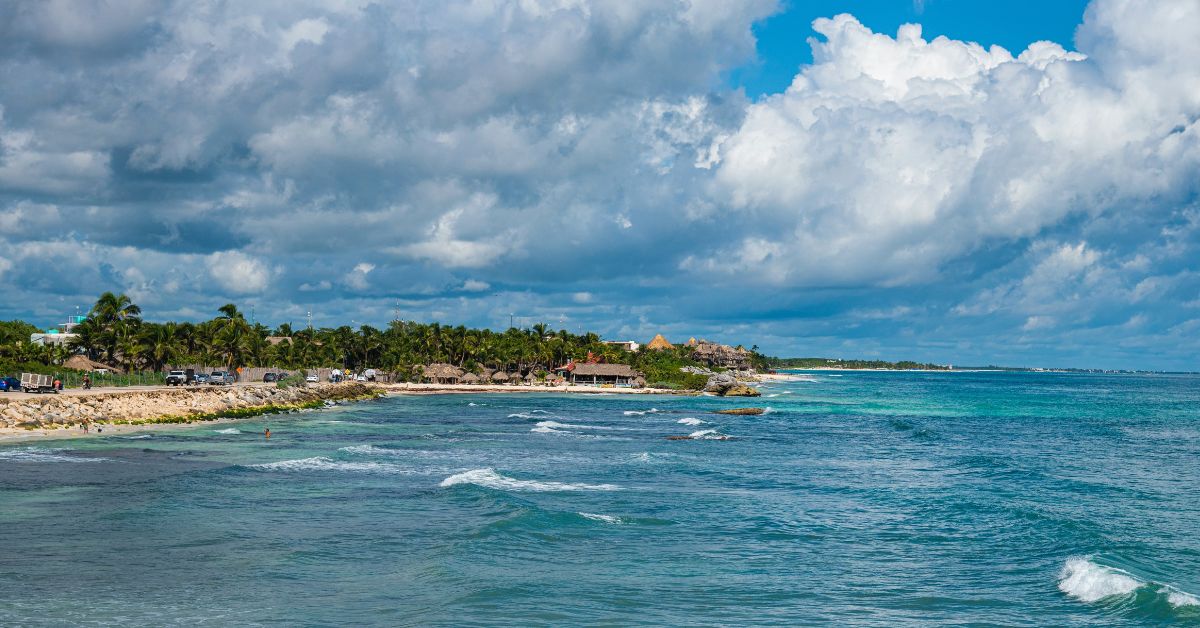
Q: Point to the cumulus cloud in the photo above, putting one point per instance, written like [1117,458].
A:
[238,273]
[892,156]
[584,162]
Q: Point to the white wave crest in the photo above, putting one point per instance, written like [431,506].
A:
[532,415]
[138,437]
[488,478]
[1086,581]
[641,412]
[229,430]
[768,410]
[322,463]
[1178,598]
[43,454]
[691,421]
[707,435]
[571,426]
[371,450]
[604,518]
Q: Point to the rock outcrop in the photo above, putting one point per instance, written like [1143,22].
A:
[179,404]
[727,385]
[743,411]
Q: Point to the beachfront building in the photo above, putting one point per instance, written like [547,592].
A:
[59,336]
[627,345]
[599,374]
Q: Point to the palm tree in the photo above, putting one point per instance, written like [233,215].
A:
[161,345]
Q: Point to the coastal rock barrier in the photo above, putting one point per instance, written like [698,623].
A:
[174,405]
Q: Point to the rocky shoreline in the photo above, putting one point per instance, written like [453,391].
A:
[181,405]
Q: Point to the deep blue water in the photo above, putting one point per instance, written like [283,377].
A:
[859,499]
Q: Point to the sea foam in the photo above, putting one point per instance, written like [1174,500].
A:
[604,518]
[488,478]
[691,421]
[641,412]
[707,435]
[1087,581]
[42,454]
[229,430]
[322,463]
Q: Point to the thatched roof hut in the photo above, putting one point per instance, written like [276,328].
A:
[515,377]
[442,373]
[659,343]
[82,363]
[554,379]
[530,378]
[469,378]
[500,377]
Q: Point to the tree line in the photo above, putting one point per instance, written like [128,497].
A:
[115,333]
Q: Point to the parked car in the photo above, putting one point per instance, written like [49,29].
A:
[9,384]
[312,379]
[201,378]
[181,377]
[221,378]
[269,377]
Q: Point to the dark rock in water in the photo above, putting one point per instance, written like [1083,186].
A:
[727,385]
[742,411]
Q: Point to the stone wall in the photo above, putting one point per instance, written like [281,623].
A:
[50,410]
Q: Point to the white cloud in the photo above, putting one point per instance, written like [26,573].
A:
[582,297]
[239,273]
[474,285]
[891,156]
[357,278]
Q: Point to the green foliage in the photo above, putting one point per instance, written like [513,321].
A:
[295,380]
[114,333]
[662,368]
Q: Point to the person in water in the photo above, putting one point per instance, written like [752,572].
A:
[267,433]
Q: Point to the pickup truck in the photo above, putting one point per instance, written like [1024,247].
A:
[181,377]
[221,378]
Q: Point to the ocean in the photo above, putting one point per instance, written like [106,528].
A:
[859,498]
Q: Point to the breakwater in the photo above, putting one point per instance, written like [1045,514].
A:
[171,405]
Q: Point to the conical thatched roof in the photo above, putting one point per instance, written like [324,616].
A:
[659,343]
[531,377]
[514,377]
[554,378]
[499,376]
[82,363]
[469,378]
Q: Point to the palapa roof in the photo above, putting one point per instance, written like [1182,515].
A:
[443,371]
[610,370]
[659,343]
[499,376]
[531,377]
[469,378]
[82,363]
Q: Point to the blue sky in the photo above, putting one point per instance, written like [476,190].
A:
[1009,183]
[782,39]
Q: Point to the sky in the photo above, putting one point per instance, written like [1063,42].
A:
[957,182]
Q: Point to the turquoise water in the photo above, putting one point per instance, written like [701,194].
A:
[859,499]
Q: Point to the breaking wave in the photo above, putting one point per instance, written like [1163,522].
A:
[43,454]
[229,430]
[532,415]
[604,518]
[641,412]
[708,435]
[322,463]
[1087,581]
[691,421]
[488,478]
